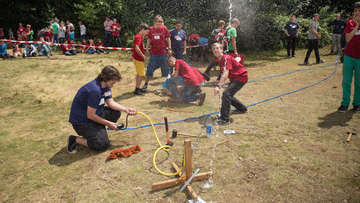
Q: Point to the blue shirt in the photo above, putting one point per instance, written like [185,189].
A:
[91,95]
[292,28]
[3,49]
[177,39]
[28,50]
[203,41]
[337,24]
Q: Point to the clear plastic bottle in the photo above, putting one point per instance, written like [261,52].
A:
[208,126]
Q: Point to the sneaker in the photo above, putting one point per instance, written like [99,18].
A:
[106,52]
[71,148]
[142,91]
[236,111]
[356,109]
[321,61]
[342,109]
[202,98]
[139,93]
[289,56]
[221,122]
[197,90]
[307,63]
[173,100]
[144,88]
[332,53]
[294,55]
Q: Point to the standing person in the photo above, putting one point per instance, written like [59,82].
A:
[158,37]
[231,34]
[139,57]
[82,31]
[70,30]
[11,34]
[21,29]
[351,67]
[62,31]
[337,25]
[108,35]
[55,26]
[88,115]
[313,39]
[115,29]
[187,76]
[2,35]
[29,50]
[178,40]
[29,32]
[238,76]
[291,29]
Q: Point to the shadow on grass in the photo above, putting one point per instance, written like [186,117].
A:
[335,119]
[63,158]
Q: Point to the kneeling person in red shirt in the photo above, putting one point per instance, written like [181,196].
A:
[238,76]
[187,76]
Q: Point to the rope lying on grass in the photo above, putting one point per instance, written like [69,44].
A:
[188,119]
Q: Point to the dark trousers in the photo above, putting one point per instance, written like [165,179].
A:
[117,41]
[228,99]
[108,38]
[291,43]
[313,44]
[212,65]
[95,133]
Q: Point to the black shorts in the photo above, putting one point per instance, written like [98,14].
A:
[95,133]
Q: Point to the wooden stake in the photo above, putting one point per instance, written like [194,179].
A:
[188,164]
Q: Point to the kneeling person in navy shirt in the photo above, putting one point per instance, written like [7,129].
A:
[89,116]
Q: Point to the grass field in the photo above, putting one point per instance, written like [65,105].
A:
[289,149]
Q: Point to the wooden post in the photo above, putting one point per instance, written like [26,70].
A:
[188,163]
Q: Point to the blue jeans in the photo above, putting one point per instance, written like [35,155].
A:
[178,54]
[108,37]
[5,54]
[90,51]
[56,38]
[72,36]
[44,52]
[155,62]
[188,89]
[83,37]
[28,54]
[71,52]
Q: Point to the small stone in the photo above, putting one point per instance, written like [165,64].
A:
[285,141]
[293,158]
[356,175]
[98,188]
[240,158]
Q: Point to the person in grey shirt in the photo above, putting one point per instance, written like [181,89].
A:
[313,39]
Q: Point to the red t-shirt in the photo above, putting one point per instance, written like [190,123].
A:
[116,32]
[236,70]
[194,37]
[63,49]
[190,74]
[93,46]
[138,40]
[158,39]
[21,29]
[86,44]
[353,47]
[16,50]
[1,34]
[99,44]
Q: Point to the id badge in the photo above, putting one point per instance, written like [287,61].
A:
[156,37]
[357,32]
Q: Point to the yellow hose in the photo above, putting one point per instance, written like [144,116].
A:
[164,147]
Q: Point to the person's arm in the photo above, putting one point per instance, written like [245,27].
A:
[91,114]
[169,45]
[116,106]
[105,23]
[233,42]
[330,24]
[176,74]
[148,47]
[32,50]
[286,32]
[184,44]
[349,36]
[221,81]
[315,33]
[298,30]
[85,30]
[137,49]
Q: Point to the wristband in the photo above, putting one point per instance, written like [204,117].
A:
[218,86]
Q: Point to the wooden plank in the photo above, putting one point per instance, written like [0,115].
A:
[188,164]
[176,168]
[192,193]
[166,184]
[201,176]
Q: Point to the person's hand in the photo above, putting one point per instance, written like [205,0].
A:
[236,53]
[131,111]
[170,53]
[297,34]
[288,35]
[357,20]
[217,82]
[184,53]
[144,57]
[319,37]
[112,126]
[216,90]
[332,27]
[147,53]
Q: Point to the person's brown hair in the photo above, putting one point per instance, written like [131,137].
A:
[144,26]
[220,23]
[158,18]
[235,20]
[316,14]
[168,59]
[109,73]
[357,4]
[217,44]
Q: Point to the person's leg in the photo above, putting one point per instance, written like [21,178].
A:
[228,99]
[333,41]
[152,66]
[110,39]
[106,39]
[33,54]
[73,52]
[173,82]
[348,70]
[316,49]
[311,46]
[187,96]
[165,69]
[67,53]
[356,100]
[289,42]
[338,42]
[293,44]
[56,38]
[212,65]
[140,72]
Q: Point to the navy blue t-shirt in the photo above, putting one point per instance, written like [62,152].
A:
[91,95]
[338,26]
[177,39]
[292,28]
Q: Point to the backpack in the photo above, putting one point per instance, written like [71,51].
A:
[41,32]
[218,37]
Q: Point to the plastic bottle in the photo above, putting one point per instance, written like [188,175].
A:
[208,126]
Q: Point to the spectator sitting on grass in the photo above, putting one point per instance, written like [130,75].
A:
[84,48]
[3,53]
[91,49]
[98,50]
[43,48]
[68,49]
[16,51]
[29,50]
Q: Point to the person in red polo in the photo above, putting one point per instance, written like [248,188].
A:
[158,36]
[115,29]
[238,76]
